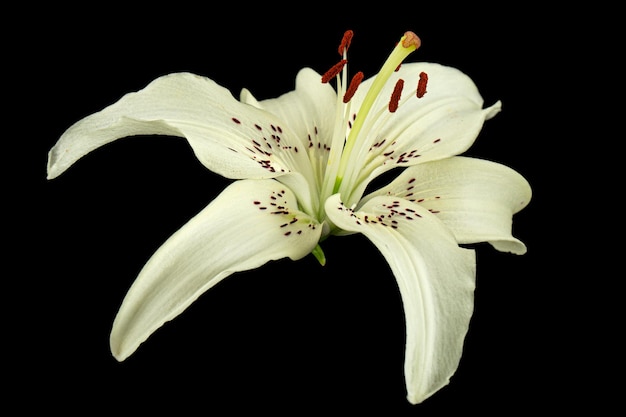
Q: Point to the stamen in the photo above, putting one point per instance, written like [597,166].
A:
[345,42]
[349,160]
[395,96]
[421,85]
[407,44]
[333,71]
[354,84]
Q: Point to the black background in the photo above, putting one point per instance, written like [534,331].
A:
[290,337]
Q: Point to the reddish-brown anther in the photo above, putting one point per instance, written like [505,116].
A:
[395,96]
[334,70]
[421,85]
[345,42]
[354,84]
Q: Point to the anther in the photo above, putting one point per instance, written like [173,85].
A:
[354,84]
[345,42]
[411,39]
[334,70]
[421,85]
[395,96]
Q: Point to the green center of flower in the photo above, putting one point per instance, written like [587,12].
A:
[344,145]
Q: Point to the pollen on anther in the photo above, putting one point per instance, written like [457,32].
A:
[354,84]
[395,96]
[345,42]
[421,85]
[333,71]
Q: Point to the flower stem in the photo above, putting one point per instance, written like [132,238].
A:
[319,254]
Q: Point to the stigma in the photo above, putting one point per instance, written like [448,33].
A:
[411,40]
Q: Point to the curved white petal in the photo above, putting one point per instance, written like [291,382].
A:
[250,223]
[436,279]
[443,123]
[309,111]
[443,82]
[233,139]
[475,198]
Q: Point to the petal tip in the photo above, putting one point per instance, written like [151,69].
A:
[117,349]
[513,245]
[413,399]
[493,110]
[51,173]
[55,164]
[417,398]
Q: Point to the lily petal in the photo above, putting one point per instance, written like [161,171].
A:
[475,198]
[436,279]
[230,138]
[443,81]
[250,223]
[443,123]
[309,110]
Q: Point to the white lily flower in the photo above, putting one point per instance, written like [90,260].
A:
[302,164]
